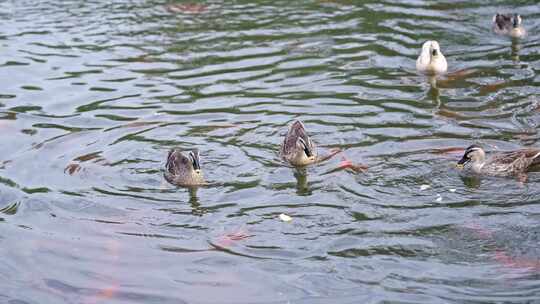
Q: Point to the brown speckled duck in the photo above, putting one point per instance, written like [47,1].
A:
[499,164]
[184,170]
[508,25]
[297,148]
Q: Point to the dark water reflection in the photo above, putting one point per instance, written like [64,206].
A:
[94,94]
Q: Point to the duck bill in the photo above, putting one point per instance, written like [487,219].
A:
[461,163]
[432,56]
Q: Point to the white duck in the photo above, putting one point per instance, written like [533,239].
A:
[431,60]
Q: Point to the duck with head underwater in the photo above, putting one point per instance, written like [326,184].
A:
[184,170]
[510,163]
[431,60]
[299,150]
[508,25]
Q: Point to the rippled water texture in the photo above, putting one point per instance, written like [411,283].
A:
[94,94]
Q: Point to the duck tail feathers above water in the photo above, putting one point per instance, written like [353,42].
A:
[536,158]
[502,21]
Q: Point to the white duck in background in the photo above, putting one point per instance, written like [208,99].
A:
[431,60]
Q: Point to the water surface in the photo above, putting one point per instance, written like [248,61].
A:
[94,94]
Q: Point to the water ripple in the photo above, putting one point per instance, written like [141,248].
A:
[94,94]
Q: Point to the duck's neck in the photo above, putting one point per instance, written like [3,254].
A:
[477,166]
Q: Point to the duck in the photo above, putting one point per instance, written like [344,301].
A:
[507,163]
[508,25]
[184,170]
[431,60]
[297,148]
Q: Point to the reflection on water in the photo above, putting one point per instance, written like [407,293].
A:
[301,181]
[471,181]
[94,94]
[516,47]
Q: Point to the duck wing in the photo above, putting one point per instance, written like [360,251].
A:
[518,160]
[174,158]
[533,155]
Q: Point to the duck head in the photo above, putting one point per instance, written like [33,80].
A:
[474,154]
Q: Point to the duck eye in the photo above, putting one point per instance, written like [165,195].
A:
[434,52]
[470,153]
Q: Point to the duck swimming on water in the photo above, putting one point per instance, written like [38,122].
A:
[298,149]
[499,164]
[184,170]
[431,60]
[508,25]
